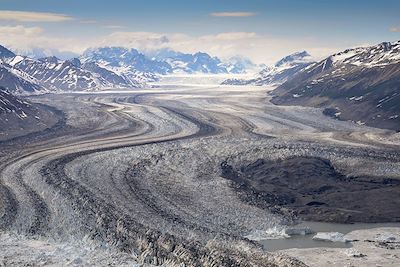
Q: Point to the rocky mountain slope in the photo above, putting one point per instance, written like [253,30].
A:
[17,81]
[282,71]
[361,84]
[12,78]
[18,117]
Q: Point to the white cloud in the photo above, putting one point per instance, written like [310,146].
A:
[231,36]
[259,48]
[25,16]
[139,40]
[113,27]
[233,14]
[395,29]
[23,38]
[15,31]
[89,21]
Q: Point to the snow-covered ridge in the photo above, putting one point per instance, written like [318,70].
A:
[18,81]
[385,53]
[124,61]
[339,64]
[279,73]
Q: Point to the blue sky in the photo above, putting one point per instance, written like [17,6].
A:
[280,27]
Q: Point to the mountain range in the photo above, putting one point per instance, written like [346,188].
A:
[201,62]
[25,75]
[101,68]
[360,84]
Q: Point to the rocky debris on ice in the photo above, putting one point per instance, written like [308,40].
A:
[351,252]
[19,250]
[387,237]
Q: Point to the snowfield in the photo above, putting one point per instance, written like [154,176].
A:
[138,173]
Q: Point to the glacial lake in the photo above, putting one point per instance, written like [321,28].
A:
[306,241]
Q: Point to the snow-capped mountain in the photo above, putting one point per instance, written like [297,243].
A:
[109,77]
[127,62]
[131,62]
[191,63]
[106,67]
[21,74]
[55,74]
[383,54]
[360,84]
[283,70]
[201,62]
[294,60]
[14,79]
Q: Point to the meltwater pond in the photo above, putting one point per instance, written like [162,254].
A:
[306,241]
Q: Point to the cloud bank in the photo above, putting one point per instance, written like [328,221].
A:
[395,29]
[233,14]
[258,48]
[25,16]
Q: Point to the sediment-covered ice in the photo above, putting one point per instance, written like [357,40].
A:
[19,250]
[140,171]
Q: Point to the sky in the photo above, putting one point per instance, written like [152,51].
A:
[261,30]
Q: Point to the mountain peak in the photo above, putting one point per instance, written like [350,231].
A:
[51,59]
[75,62]
[295,57]
[202,55]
